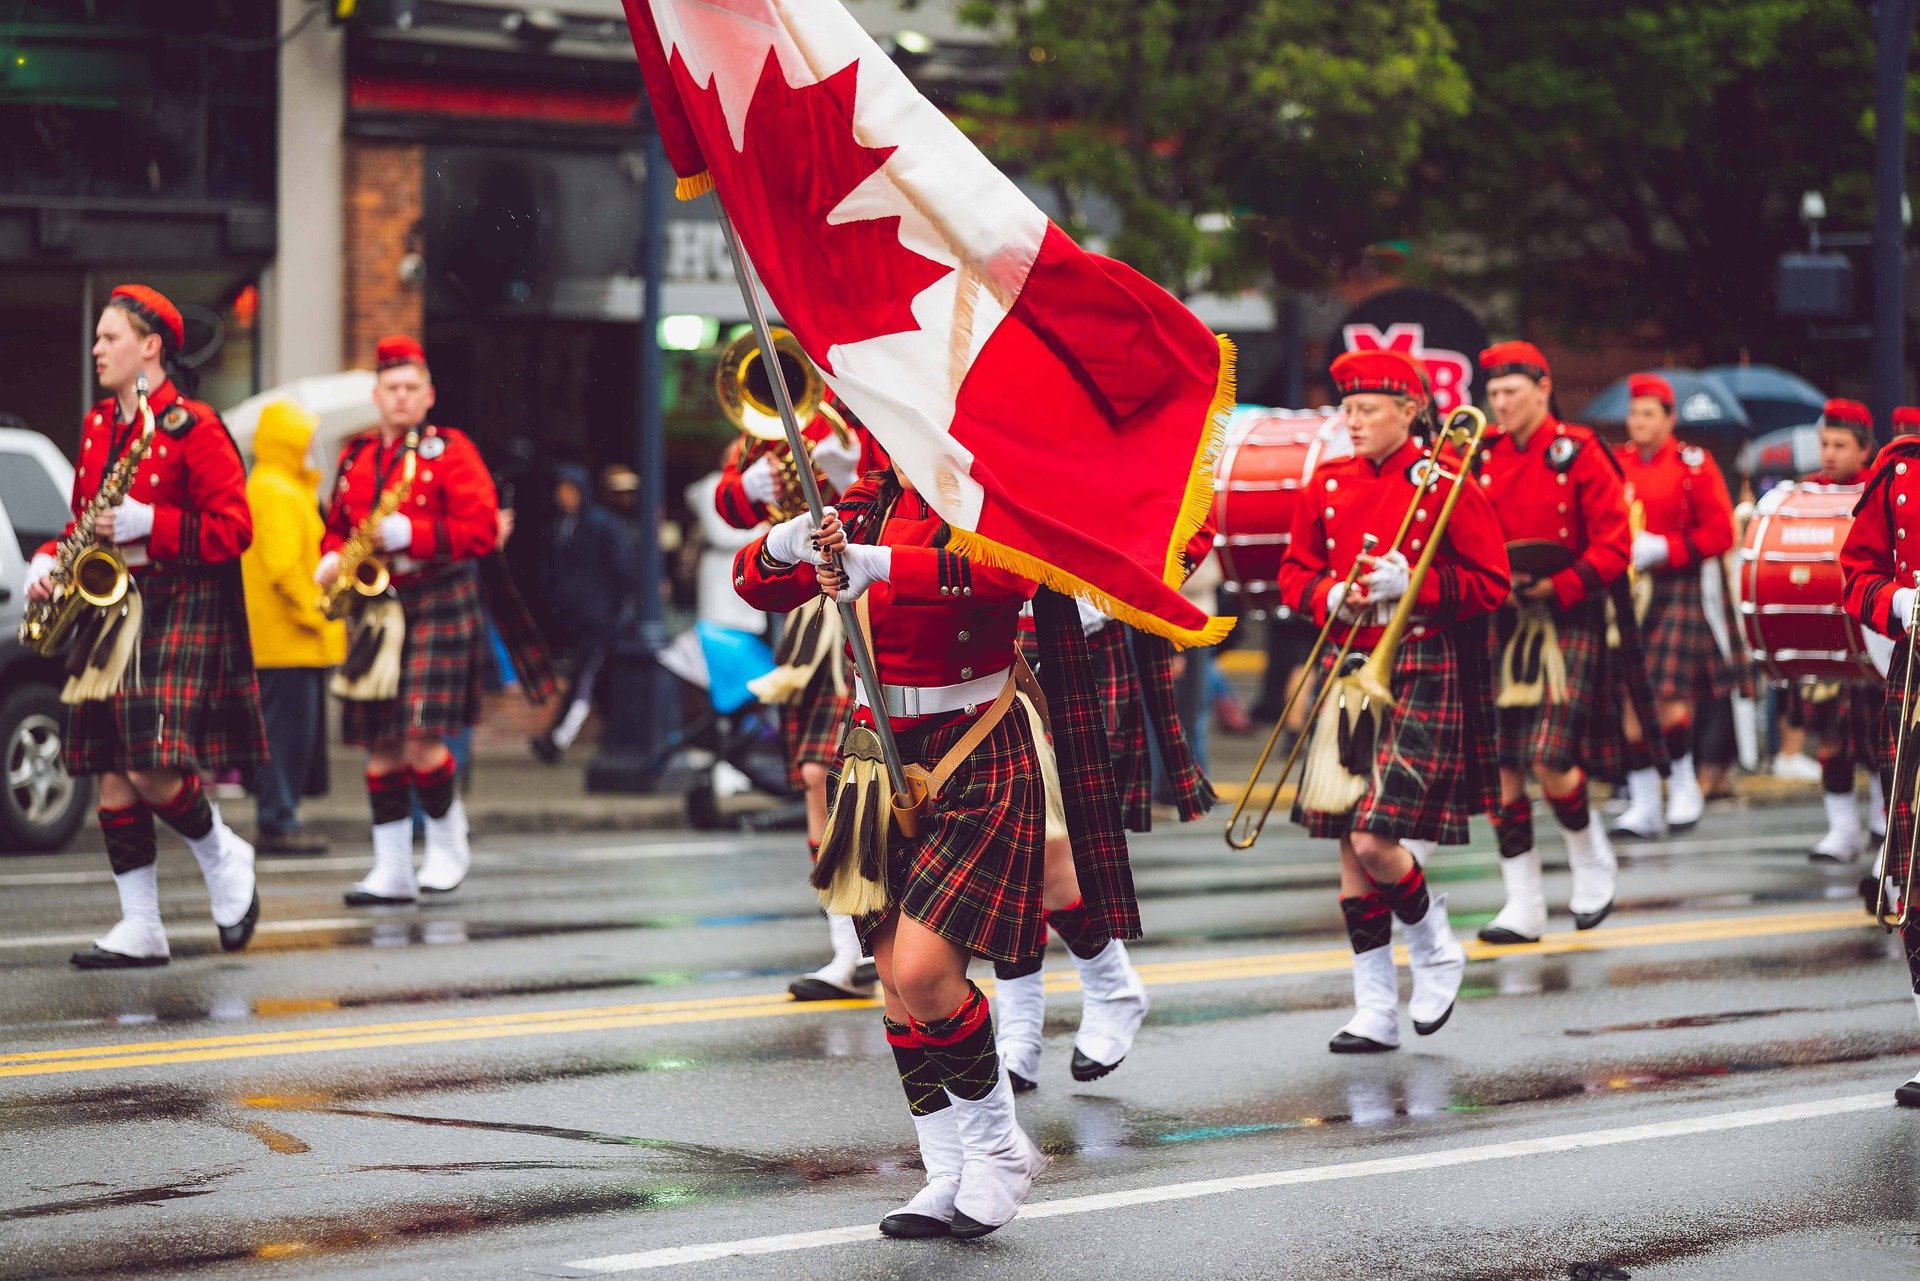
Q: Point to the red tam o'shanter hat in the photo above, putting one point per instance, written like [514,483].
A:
[399,350]
[1389,373]
[1651,385]
[153,307]
[1906,420]
[1506,358]
[1848,415]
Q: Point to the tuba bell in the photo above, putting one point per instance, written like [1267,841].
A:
[743,385]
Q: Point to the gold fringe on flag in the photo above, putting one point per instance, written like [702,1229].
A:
[1198,500]
[695,187]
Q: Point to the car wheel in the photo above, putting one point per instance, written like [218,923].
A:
[41,805]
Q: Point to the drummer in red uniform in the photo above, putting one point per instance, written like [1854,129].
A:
[1881,564]
[1557,491]
[1846,718]
[1688,519]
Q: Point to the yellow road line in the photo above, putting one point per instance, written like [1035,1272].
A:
[95,1058]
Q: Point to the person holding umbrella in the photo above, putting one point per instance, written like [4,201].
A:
[1687,522]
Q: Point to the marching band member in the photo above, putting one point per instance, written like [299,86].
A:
[1881,565]
[1431,767]
[1689,522]
[447,521]
[969,883]
[187,702]
[1848,722]
[1557,491]
[813,714]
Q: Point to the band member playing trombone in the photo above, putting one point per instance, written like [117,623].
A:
[1392,550]
[1845,718]
[1559,498]
[813,687]
[1880,562]
[412,675]
[167,691]
[1689,524]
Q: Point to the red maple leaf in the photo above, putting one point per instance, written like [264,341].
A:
[832,282]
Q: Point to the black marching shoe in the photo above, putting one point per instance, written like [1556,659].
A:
[1501,936]
[1908,1095]
[1348,1043]
[1021,1085]
[240,933]
[98,958]
[363,898]
[544,749]
[914,1227]
[1086,1069]
[1587,920]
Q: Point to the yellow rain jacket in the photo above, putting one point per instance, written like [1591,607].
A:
[283,606]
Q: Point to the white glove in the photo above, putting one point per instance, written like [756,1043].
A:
[39,570]
[396,533]
[1387,580]
[761,481]
[1650,551]
[863,566]
[839,463]
[329,566]
[791,541]
[132,521]
[1902,604]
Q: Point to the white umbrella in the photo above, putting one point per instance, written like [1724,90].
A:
[343,402]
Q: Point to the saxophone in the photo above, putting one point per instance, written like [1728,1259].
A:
[86,571]
[363,572]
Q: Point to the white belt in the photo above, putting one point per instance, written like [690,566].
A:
[904,702]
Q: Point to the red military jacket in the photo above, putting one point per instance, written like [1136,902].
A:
[1684,499]
[1562,487]
[452,504]
[1882,551]
[741,512]
[1351,497]
[192,477]
[939,620]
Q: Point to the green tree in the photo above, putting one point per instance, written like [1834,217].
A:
[1303,116]
[1640,165]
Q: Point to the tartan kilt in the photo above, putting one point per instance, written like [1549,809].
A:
[1560,736]
[439,664]
[1421,785]
[811,725]
[973,874]
[1899,792]
[1683,661]
[191,701]
[1118,689]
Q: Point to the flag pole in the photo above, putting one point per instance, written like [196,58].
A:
[863,663]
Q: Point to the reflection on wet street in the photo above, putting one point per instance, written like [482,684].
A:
[585,1061]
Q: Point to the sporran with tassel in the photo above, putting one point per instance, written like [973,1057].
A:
[1533,670]
[104,646]
[371,672]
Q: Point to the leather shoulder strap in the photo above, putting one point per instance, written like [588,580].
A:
[976,734]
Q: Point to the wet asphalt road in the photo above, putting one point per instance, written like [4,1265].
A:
[586,1055]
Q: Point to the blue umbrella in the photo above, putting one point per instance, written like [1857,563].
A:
[1772,397]
[1704,405]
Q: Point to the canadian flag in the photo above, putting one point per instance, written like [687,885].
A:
[1058,409]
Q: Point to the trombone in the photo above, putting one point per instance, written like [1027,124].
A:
[743,384]
[1244,829]
[1902,762]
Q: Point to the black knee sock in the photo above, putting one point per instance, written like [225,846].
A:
[1369,922]
[1679,739]
[130,840]
[961,1047]
[1836,776]
[1910,937]
[1408,898]
[1017,969]
[1513,826]
[189,812]
[435,787]
[1077,931]
[926,1092]
[1573,811]
[390,796]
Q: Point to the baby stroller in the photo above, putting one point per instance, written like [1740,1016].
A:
[734,744]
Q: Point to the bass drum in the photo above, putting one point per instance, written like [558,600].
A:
[1791,595]
[1269,455]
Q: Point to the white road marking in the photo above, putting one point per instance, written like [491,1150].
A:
[200,931]
[673,1256]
